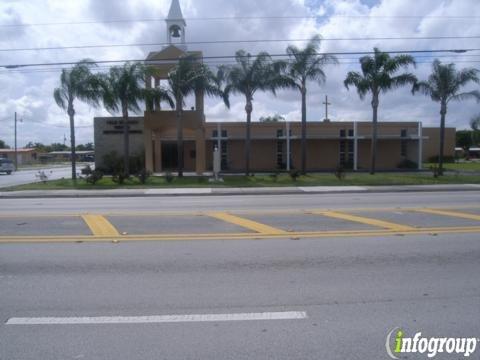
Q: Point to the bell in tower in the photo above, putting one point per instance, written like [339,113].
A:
[175,31]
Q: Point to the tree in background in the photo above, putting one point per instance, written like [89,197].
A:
[85,147]
[306,65]
[272,119]
[444,85]
[42,148]
[76,83]
[3,145]
[475,125]
[378,75]
[464,139]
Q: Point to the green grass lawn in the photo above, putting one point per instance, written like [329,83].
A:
[263,181]
[461,166]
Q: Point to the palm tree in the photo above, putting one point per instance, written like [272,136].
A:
[378,76]
[76,83]
[249,76]
[188,77]
[123,90]
[444,85]
[305,65]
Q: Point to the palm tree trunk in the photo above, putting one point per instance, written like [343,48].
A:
[71,114]
[443,113]
[179,114]
[126,141]
[248,109]
[304,130]
[373,150]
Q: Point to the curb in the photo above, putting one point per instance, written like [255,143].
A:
[62,194]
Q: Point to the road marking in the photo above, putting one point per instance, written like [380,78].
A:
[249,224]
[238,236]
[231,211]
[456,214]
[158,319]
[100,226]
[365,220]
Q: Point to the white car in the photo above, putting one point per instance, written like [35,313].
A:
[6,166]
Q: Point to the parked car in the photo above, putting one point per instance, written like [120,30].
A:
[6,166]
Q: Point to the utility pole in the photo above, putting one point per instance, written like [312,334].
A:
[16,156]
[326,103]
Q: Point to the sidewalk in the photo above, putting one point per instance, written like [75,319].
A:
[28,194]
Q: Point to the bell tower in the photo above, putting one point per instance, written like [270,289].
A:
[176,26]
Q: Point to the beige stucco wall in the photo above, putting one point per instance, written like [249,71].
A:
[105,143]
[323,145]
[431,146]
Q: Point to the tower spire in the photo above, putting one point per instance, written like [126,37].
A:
[175,12]
[176,25]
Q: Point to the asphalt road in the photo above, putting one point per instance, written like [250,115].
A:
[248,202]
[351,290]
[22,177]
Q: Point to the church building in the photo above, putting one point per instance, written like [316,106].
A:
[275,146]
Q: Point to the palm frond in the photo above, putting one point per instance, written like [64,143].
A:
[471,95]
[60,98]
[361,83]
[423,87]
[403,79]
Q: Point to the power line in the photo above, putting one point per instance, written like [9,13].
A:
[203,58]
[217,63]
[229,18]
[240,41]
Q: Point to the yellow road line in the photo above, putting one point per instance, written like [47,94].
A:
[249,224]
[227,236]
[231,211]
[100,226]
[365,220]
[456,214]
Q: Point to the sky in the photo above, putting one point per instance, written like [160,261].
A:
[28,91]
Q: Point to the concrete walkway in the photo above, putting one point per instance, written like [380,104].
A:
[159,192]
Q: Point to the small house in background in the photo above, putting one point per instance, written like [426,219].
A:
[65,156]
[24,156]
[459,152]
[474,152]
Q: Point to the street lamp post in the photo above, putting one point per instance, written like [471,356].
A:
[16,155]
[16,149]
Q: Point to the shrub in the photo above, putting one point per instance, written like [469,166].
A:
[87,170]
[143,176]
[340,172]
[119,177]
[137,164]
[91,176]
[95,177]
[294,175]
[446,159]
[407,164]
[169,177]
[113,163]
